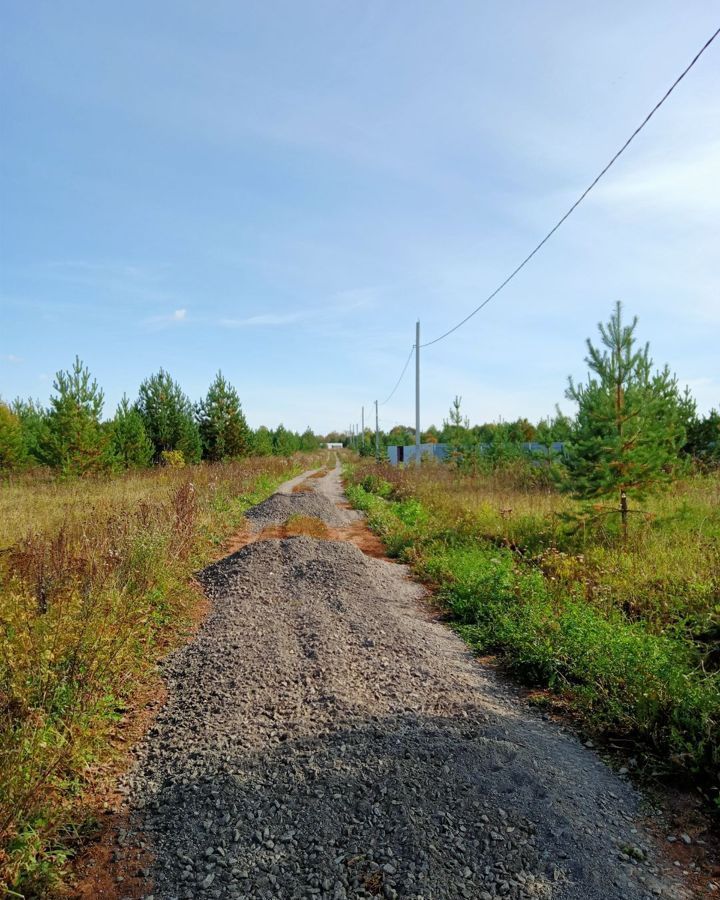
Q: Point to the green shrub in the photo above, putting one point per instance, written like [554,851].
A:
[11,442]
[173,459]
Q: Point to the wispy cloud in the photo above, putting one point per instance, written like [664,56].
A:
[269,319]
[177,317]
[343,302]
[130,281]
[686,185]
[11,358]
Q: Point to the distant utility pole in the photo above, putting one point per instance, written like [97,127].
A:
[362,429]
[377,434]
[417,393]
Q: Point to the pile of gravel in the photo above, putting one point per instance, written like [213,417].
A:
[276,510]
[323,738]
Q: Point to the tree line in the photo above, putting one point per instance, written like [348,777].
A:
[162,426]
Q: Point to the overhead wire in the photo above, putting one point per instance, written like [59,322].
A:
[579,199]
[402,375]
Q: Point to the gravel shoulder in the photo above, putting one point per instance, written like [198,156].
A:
[323,737]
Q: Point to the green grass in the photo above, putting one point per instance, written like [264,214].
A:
[611,628]
[95,586]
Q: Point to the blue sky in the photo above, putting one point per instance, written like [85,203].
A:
[280,189]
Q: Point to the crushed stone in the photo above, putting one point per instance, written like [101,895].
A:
[323,737]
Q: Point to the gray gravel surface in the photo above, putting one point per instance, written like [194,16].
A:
[324,738]
[277,509]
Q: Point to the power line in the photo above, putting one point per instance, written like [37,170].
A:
[581,197]
[402,375]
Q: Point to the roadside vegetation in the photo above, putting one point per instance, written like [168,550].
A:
[102,523]
[95,586]
[595,571]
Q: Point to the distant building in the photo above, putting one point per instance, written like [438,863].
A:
[399,454]
[334,445]
[539,452]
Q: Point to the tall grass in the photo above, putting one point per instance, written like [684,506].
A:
[629,633]
[95,584]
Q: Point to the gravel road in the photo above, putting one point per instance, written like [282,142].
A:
[323,737]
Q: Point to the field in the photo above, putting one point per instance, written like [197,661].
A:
[625,633]
[95,586]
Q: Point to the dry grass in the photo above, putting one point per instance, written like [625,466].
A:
[307,525]
[669,571]
[95,584]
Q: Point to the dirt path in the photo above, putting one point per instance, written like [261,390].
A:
[324,738]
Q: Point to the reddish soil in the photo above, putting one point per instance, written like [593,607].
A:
[358,533]
[104,868]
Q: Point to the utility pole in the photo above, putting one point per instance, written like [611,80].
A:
[417,393]
[377,434]
[362,430]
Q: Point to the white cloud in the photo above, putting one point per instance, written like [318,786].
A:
[268,319]
[343,302]
[177,317]
[686,186]
[11,358]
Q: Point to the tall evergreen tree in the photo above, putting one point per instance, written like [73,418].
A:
[74,441]
[131,448]
[167,415]
[223,429]
[630,422]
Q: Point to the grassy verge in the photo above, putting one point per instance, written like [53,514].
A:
[521,585]
[95,585]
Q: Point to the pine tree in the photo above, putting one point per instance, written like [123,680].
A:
[308,440]
[223,429]
[262,442]
[11,440]
[74,441]
[285,442]
[131,448]
[703,438]
[456,432]
[630,422]
[167,415]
